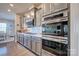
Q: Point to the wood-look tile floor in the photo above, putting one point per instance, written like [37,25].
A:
[14,49]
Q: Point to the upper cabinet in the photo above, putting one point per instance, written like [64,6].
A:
[38,18]
[18,22]
[53,7]
[46,8]
[59,6]
[39,14]
[30,18]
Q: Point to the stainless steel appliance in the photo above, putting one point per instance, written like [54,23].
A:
[55,30]
[56,24]
[56,48]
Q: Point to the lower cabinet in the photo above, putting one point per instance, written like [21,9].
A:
[27,41]
[31,42]
[38,48]
[20,38]
[36,45]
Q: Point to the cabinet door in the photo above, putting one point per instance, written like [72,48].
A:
[60,6]
[18,37]
[33,44]
[39,17]
[22,39]
[25,41]
[52,7]
[46,7]
[38,46]
[29,42]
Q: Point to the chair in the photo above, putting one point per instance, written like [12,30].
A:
[2,36]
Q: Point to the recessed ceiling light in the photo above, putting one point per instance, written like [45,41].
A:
[28,16]
[9,10]
[11,5]
[32,13]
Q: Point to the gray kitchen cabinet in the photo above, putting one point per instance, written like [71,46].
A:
[26,43]
[52,7]
[21,38]
[59,6]
[18,37]
[38,46]
[46,8]
[33,44]
[29,42]
[25,40]
[39,17]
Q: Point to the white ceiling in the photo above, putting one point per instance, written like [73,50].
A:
[18,8]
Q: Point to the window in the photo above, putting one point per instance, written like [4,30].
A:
[3,27]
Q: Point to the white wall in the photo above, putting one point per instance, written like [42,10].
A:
[74,29]
[10,30]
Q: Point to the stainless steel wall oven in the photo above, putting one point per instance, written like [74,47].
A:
[54,28]
[56,24]
[56,48]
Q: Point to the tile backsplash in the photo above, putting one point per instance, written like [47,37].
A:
[35,30]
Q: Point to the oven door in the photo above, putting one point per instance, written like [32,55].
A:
[52,29]
[53,47]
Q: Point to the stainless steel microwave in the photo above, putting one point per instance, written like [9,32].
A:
[56,25]
[55,29]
